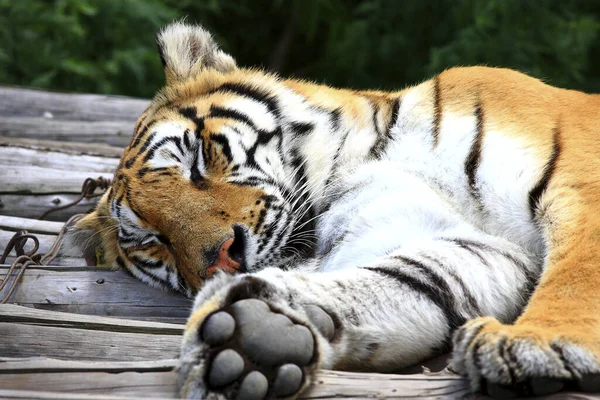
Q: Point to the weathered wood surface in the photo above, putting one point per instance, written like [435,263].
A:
[156,379]
[34,114]
[34,205]
[39,180]
[23,315]
[45,241]
[73,148]
[31,225]
[15,156]
[96,291]
[116,133]
[21,102]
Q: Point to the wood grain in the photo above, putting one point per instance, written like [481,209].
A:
[68,343]
[14,156]
[21,102]
[31,225]
[73,148]
[33,205]
[115,133]
[33,180]
[96,291]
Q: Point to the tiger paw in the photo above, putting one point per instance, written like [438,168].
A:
[248,349]
[506,361]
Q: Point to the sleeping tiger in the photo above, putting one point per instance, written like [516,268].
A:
[362,230]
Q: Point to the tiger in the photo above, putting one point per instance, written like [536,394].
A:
[361,230]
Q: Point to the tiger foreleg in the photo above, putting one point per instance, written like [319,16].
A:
[264,335]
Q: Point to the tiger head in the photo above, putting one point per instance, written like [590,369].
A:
[208,181]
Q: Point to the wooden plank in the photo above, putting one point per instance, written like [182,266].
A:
[37,395]
[31,225]
[91,149]
[15,156]
[50,365]
[136,379]
[124,384]
[29,179]
[68,343]
[34,205]
[113,132]
[24,315]
[45,241]
[77,107]
[96,291]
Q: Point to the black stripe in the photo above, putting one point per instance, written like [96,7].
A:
[467,247]
[437,109]
[158,145]
[129,162]
[222,140]
[251,92]
[141,133]
[531,278]
[282,231]
[473,304]
[195,175]
[444,291]
[150,264]
[474,158]
[228,113]
[179,147]
[191,113]
[270,231]
[301,128]
[383,138]
[436,290]
[186,139]
[538,190]
[147,143]
[130,203]
[335,119]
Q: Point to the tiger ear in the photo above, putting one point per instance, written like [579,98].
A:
[92,234]
[185,50]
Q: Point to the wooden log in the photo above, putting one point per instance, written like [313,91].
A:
[30,180]
[115,133]
[67,343]
[25,315]
[31,225]
[95,149]
[45,241]
[96,291]
[21,102]
[139,379]
[16,156]
[26,365]
[37,395]
[32,206]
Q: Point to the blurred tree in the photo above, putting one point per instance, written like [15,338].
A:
[107,46]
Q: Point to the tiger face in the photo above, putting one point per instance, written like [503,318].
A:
[202,186]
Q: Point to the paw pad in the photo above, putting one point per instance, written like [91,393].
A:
[270,338]
[254,387]
[288,380]
[259,353]
[322,321]
[218,328]
[226,368]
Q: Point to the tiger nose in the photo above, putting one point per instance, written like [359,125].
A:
[230,255]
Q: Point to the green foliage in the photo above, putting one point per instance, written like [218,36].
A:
[107,46]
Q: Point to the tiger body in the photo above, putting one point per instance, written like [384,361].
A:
[401,215]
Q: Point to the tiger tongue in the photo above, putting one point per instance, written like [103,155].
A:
[223,262]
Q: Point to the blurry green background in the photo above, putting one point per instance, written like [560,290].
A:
[107,46]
